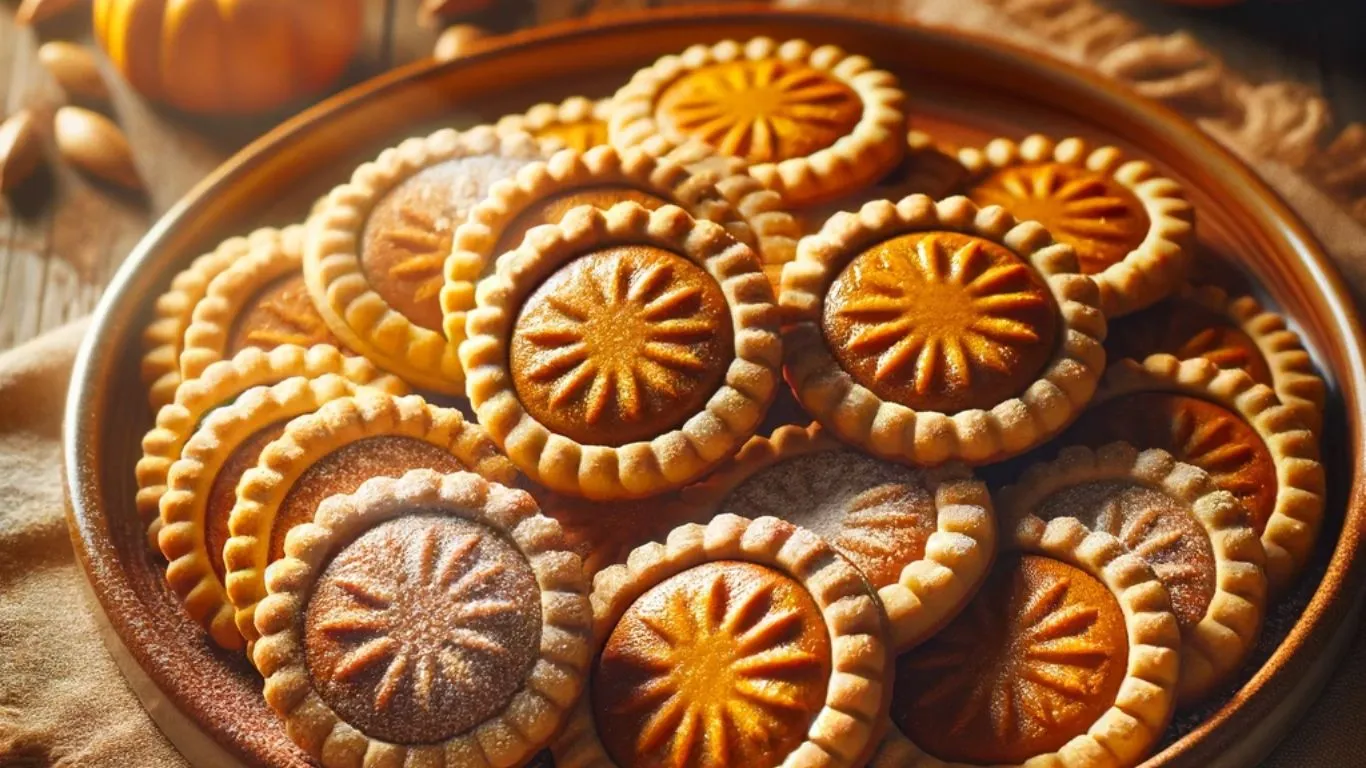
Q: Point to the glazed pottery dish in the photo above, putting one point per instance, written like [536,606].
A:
[765,389]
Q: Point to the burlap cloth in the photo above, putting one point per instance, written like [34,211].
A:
[63,702]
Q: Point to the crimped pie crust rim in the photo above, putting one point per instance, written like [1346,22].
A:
[183,534]
[894,431]
[870,149]
[163,338]
[1158,264]
[776,230]
[929,591]
[222,381]
[1293,375]
[538,707]
[275,254]
[1214,648]
[308,439]
[573,110]
[1147,696]
[1292,528]
[669,460]
[849,724]
[355,312]
[472,255]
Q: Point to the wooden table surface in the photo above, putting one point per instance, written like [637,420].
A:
[63,236]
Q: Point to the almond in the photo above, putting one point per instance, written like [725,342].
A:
[39,11]
[20,149]
[455,41]
[93,144]
[75,69]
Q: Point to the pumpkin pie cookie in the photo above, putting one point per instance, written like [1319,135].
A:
[1068,656]
[775,229]
[432,620]
[814,122]
[374,254]
[201,491]
[575,123]
[330,451]
[259,301]
[222,383]
[923,538]
[603,533]
[740,642]
[603,176]
[623,353]
[929,168]
[1131,227]
[1196,537]
[929,332]
[164,336]
[1231,333]
[1223,422]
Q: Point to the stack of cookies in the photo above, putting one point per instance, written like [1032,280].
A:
[730,421]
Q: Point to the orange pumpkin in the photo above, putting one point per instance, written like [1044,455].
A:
[229,57]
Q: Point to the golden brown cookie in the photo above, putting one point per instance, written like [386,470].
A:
[1196,537]
[923,538]
[623,353]
[929,332]
[1068,656]
[775,229]
[164,336]
[736,643]
[431,620]
[603,533]
[201,490]
[929,168]
[1133,229]
[1223,422]
[603,176]
[258,301]
[1231,333]
[375,252]
[221,383]
[813,122]
[575,123]
[332,451]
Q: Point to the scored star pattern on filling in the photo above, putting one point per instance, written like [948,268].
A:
[422,632]
[1097,216]
[623,342]
[933,321]
[729,671]
[427,240]
[764,111]
[1187,331]
[884,529]
[581,136]
[1030,663]
[307,326]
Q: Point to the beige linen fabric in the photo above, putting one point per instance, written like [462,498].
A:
[62,700]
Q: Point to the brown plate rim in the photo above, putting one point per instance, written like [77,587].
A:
[1332,600]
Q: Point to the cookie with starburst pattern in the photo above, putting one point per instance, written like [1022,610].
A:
[927,331]
[1194,534]
[736,643]
[814,122]
[331,451]
[923,538]
[1230,332]
[425,611]
[575,123]
[220,384]
[258,301]
[623,353]
[1132,228]
[1069,651]
[376,250]
[1233,428]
